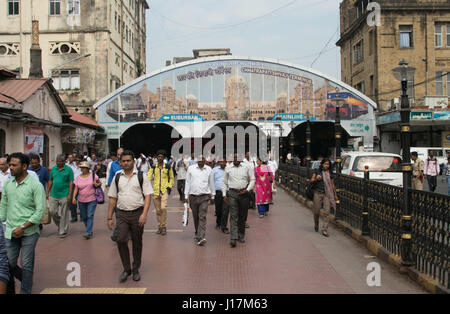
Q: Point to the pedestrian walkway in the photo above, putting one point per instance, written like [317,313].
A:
[282,254]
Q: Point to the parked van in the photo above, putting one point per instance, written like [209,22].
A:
[383,167]
[439,152]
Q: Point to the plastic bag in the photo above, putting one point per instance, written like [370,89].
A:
[185,220]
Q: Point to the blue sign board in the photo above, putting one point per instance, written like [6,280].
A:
[441,115]
[181,118]
[388,118]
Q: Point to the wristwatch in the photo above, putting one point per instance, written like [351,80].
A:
[22,227]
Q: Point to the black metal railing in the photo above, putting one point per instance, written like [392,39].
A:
[377,210]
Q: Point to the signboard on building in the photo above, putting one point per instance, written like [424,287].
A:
[181,118]
[34,140]
[446,139]
[441,115]
[421,115]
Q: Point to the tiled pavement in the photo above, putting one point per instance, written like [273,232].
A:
[282,254]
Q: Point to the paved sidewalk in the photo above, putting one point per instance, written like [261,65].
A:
[282,254]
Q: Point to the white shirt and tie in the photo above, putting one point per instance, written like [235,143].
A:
[199,181]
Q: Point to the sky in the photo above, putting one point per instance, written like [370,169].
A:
[302,32]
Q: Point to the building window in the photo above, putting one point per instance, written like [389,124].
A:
[118,25]
[55,7]
[66,79]
[13,7]
[358,53]
[438,35]
[410,88]
[361,87]
[371,42]
[448,84]
[406,36]
[439,84]
[74,7]
[448,35]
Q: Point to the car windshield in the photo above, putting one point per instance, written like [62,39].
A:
[378,163]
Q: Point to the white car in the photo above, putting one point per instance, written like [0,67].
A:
[383,167]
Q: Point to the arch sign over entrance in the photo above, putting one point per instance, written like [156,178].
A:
[227,88]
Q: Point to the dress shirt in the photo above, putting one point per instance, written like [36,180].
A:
[181,170]
[239,178]
[199,181]
[218,173]
[21,203]
[130,193]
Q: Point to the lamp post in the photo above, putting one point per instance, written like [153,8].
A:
[291,139]
[337,132]
[308,144]
[281,143]
[403,73]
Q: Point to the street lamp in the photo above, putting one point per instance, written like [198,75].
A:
[281,143]
[308,143]
[291,139]
[404,73]
[337,132]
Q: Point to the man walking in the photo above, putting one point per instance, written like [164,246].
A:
[41,171]
[199,191]
[431,171]
[5,174]
[162,176]
[239,180]
[59,191]
[181,169]
[417,175]
[222,209]
[131,198]
[115,166]
[22,207]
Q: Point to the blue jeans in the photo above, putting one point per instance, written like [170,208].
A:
[263,208]
[24,246]
[87,211]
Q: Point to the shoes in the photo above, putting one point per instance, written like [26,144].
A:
[114,238]
[87,236]
[241,241]
[261,216]
[226,231]
[136,276]
[63,235]
[124,276]
[163,231]
[316,228]
[325,234]
[217,226]
[159,230]
[201,241]
[233,243]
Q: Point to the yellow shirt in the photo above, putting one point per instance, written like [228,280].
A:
[162,179]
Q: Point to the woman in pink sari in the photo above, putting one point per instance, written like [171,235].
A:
[264,179]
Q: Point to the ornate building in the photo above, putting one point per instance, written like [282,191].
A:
[237,97]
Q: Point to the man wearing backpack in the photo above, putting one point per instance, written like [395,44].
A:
[130,194]
[162,176]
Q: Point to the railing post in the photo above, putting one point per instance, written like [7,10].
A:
[365,210]
[338,213]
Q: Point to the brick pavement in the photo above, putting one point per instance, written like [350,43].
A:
[282,254]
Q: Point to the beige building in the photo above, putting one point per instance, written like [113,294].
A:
[89,48]
[415,30]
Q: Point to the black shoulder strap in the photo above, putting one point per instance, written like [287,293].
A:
[116,179]
[141,179]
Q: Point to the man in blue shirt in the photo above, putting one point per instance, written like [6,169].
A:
[41,171]
[222,209]
[115,166]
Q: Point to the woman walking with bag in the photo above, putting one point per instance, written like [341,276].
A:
[85,185]
[264,179]
[324,192]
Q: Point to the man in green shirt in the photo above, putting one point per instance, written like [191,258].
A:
[22,207]
[59,190]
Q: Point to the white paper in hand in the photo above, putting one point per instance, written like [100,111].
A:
[185,215]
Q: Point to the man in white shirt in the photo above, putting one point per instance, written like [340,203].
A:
[198,192]
[142,164]
[239,180]
[5,173]
[249,162]
[181,169]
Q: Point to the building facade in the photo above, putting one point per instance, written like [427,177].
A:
[415,30]
[89,48]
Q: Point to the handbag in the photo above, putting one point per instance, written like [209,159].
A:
[47,218]
[99,195]
[310,190]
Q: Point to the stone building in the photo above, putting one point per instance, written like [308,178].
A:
[89,48]
[415,30]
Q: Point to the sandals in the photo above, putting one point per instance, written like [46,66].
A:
[325,234]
